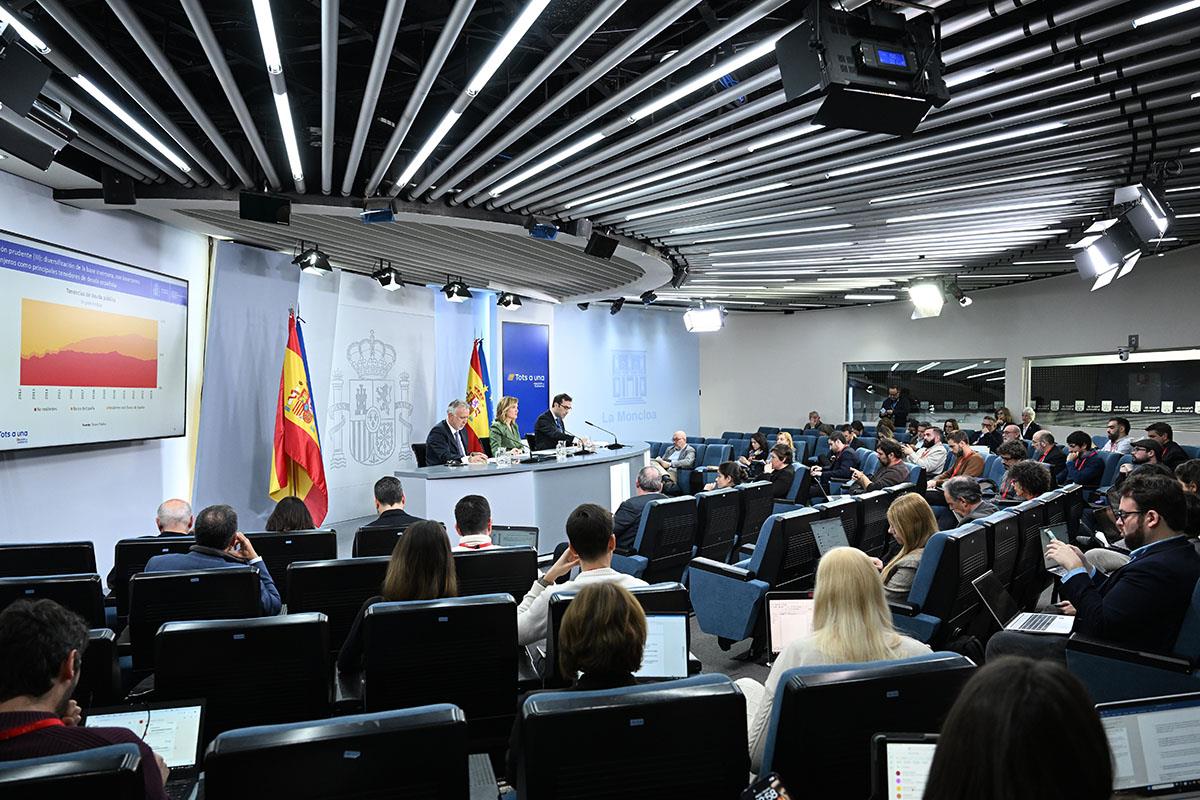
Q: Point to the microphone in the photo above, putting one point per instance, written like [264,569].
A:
[615,444]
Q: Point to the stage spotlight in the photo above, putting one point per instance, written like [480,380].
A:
[927,300]
[615,308]
[704,319]
[312,260]
[456,291]
[388,276]
[1108,251]
[679,276]
[1149,216]
[957,293]
[648,297]
[508,300]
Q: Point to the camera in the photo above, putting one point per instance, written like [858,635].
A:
[1123,353]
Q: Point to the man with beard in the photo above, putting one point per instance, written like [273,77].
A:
[1142,605]
[42,645]
[931,456]
[1119,440]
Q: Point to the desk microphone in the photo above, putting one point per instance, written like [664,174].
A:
[615,444]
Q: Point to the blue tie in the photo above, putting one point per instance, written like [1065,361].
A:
[558,424]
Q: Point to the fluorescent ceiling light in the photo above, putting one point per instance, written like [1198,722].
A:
[746,220]
[506,45]
[770,187]
[15,22]
[989,277]
[960,369]
[266,34]
[794,133]
[1039,263]
[999,378]
[1187,216]
[791,248]
[711,75]
[1170,11]
[870,297]
[426,149]
[123,115]
[284,109]
[657,176]
[964,144]
[545,163]
[1183,189]
[708,286]
[970,212]
[1166,239]
[783,232]
[894,367]
[983,374]
[927,367]
[745,302]
[895,198]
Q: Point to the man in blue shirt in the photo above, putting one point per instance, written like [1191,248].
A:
[220,545]
[1140,606]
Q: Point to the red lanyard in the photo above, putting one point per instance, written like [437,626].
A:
[1079,462]
[13,733]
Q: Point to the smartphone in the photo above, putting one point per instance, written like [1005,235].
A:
[768,787]
[1052,533]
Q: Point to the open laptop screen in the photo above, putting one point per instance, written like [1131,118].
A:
[171,731]
[909,763]
[515,537]
[829,533]
[1155,743]
[666,653]
[789,617]
[996,598]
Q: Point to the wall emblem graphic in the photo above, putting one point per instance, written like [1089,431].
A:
[372,415]
[629,376]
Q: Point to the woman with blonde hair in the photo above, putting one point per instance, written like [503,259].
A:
[851,624]
[910,522]
[783,437]
[504,434]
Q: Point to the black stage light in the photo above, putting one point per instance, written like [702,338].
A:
[388,276]
[312,260]
[615,308]
[508,300]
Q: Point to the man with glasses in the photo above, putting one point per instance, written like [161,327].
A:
[1142,605]
[893,470]
[988,437]
[549,429]
[1119,440]
[1011,454]
[681,456]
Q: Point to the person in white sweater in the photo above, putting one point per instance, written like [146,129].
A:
[590,533]
[851,624]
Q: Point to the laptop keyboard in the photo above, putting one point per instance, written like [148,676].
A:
[179,790]
[1037,622]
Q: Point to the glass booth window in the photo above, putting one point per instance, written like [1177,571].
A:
[935,390]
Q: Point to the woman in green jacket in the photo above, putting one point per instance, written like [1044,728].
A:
[504,433]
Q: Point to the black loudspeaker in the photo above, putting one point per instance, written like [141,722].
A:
[118,187]
[265,208]
[601,246]
[579,227]
[22,76]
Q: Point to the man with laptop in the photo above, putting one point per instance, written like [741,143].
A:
[43,646]
[473,523]
[1142,604]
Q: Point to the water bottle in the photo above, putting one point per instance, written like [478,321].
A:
[560,451]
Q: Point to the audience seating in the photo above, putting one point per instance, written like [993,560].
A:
[1112,462]
[336,588]
[718,516]
[249,671]
[100,674]
[79,593]
[820,448]
[904,437]
[130,557]
[994,471]
[666,535]
[1192,450]
[47,558]
[823,717]
[797,433]
[714,456]
[695,440]
[1105,485]
[873,536]
[714,440]
[767,430]
[1003,530]
[843,508]
[801,450]
[868,461]
[1030,576]
[728,597]
[1100,441]
[158,597]
[379,541]
[1073,502]
[739,448]
[278,550]
[727,435]
[678,739]
[102,772]
[496,570]
[797,493]
[683,477]
[942,602]
[757,503]
[868,442]
[415,752]
[460,650]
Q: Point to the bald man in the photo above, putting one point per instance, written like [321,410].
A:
[173,518]
[681,456]
[1012,433]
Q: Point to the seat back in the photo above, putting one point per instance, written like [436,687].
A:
[418,449]
[787,558]
[820,447]
[413,753]
[903,437]
[802,446]
[832,758]
[942,587]
[665,537]
[738,447]
[715,454]
[873,533]
[657,598]
[684,738]
[110,772]
[49,558]
[496,570]
[131,555]
[1191,450]
[1003,531]
[278,550]
[718,516]
[767,430]
[1187,643]
[757,504]
[727,435]
[798,491]
[714,440]
[79,593]
[1056,507]
[369,542]
[994,471]
[868,442]
[100,674]
[868,461]
[797,433]
[159,597]
[267,670]
[1073,502]
[336,589]
[695,440]
[1112,462]
[1099,441]
[844,508]
[460,650]
[1030,575]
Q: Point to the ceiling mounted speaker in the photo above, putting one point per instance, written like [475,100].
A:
[268,208]
[118,187]
[22,76]
[601,246]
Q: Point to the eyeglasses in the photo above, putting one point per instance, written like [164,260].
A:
[1121,515]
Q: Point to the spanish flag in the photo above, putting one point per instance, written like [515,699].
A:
[479,424]
[296,468]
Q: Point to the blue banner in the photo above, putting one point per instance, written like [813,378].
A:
[526,362]
[127,280]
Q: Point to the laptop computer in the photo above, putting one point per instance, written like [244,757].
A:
[900,764]
[1049,534]
[1010,618]
[666,653]
[170,729]
[829,534]
[1153,744]
[509,536]
[789,616]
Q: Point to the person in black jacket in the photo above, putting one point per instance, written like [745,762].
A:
[988,436]
[447,441]
[1172,454]
[389,505]
[1045,451]
[779,471]
[843,460]
[629,514]
[1028,426]
[1140,606]
[897,406]
[549,428]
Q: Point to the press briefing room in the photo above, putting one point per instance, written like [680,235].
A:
[723,399]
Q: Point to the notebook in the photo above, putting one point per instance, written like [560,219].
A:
[1155,745]
[666,652]
[789,617]
[171,729]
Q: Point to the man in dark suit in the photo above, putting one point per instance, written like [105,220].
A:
[1172,454]
[1045,451]
[447,441]
[220,545]
[389,504]
[628,515]
[843,460]
[1141,606]
[548,430]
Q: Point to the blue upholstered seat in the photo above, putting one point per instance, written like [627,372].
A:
[666,535]
[942,600]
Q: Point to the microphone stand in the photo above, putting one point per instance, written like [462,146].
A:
[615,444]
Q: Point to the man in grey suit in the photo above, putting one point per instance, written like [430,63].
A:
[628,515]
[681,456]
[965,499]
